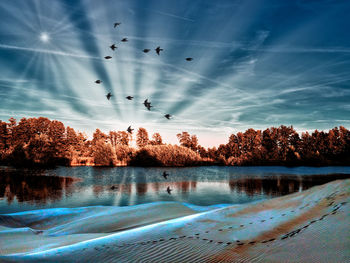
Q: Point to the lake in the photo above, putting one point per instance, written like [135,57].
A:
[29,189]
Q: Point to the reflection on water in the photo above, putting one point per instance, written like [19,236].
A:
[33,186]
[22,189]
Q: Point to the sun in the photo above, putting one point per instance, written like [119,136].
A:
[44,37]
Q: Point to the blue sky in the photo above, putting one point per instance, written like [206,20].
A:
[257,63]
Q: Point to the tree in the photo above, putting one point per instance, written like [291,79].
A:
[119,138]
[202,152]
[97,136]
[4,137]
[232,147]
[71,137]
[184,139]
[194,143]
[104,154]
[142,138]
[57,137]
[45,142]
[188,141]
[157,139]
[269,142]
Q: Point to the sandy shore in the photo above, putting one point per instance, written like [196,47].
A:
[311,226]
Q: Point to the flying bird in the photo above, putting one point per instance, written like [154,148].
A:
[146,50]
[113,47]
[98,81]
[117,24]
[147,104]
[169,190]
[108,57]
[109,95]
[189,59]
[168,116]
[114,187]
[124,40]
[129,97]
[158,49]
[165,175]
[129,130]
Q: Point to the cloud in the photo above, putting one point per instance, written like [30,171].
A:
[46,51]
[170,15]
[293,49]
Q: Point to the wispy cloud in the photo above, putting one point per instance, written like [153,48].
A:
[170,15]
[47,51]
[293,49]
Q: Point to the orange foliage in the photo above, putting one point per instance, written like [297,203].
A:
[40,141]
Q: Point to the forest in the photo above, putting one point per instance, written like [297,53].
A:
[43,142]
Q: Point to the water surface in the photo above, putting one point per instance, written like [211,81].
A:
[28,189]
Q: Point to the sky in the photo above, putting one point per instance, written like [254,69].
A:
[256,64]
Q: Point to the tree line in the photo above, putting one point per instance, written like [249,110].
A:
[40,141]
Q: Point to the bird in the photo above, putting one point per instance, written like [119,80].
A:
[165,175]
[98,81]
[168,116]
[114,187]
[129,97]
[109,95]
[113,47]
[129,130]
[189,59]
[169,190]
[108,57]
[117,24]
[147,104]
[146,50]
[124,39]
[158,49]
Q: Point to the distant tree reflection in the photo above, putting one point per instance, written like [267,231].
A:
[33,186]
[279,185]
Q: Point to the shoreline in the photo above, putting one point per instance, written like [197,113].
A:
[291,226]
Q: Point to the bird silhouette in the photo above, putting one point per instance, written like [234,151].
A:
[147,104]
[108,57]
[146,50]
[158,49]
[98,81]
[124,39]
[129,130]
[129,97]
[189,59]
[168,116]
[165,175]
[114,187]
[109,95]
[169,190]
[113,47]
[117,24]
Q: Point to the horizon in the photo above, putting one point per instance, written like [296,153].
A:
[173,138]
[253,65]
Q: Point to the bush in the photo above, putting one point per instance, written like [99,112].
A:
[165,155]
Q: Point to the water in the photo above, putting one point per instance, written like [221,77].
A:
[24,189]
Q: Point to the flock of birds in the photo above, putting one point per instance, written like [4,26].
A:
[146,103]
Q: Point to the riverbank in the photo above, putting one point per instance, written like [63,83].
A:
[310,226]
